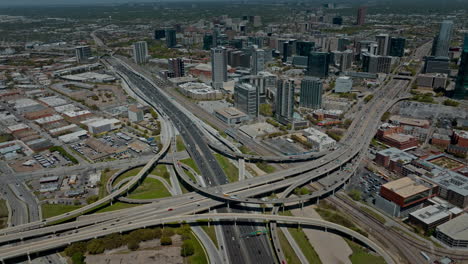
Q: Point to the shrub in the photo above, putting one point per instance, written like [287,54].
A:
[187,248]
[166,241]
[78,258]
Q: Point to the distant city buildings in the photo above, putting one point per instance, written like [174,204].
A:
[361,15]
[285,100]
[82,53]
[461,85]
[219,67]
[246,99]
[311,93]
[140,52]
[441,44]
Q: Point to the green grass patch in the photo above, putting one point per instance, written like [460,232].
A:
[161,170]
[246,150]
[199,257]
[265,167]
[328,212]
[150,189]
[362,255]
[105,175]
[3,214]
[50,210]
[127,174]
[191,176]
[303,242]
[210,231]
[190,162]
[288,251]
[180,143]
[5,137]
[232,172]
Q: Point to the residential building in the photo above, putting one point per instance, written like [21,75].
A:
[140,52]
[82,53]
[176,67]
[311,93]
[461,85]
[383,42]
[258,61]
[246,99]
[393,136]
[343,84]
[441,44]
[318,64]
[218,67]
[171,38]
[285,100]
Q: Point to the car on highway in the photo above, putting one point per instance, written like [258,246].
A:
[170,209]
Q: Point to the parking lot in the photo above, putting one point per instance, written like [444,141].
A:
[367,182]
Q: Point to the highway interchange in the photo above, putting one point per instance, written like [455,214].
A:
[40,236]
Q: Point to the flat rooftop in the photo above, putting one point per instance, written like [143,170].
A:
[405,187]
[230,112]
[456,228]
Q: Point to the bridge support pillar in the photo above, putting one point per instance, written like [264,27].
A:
[318,200]
[29,258]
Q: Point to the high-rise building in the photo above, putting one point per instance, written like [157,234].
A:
[159,34]
[311,93]
[207,42]
[288,48]
[171,39]
[397,47]
[304,48]
[346,60]
[176,67]
[361,15]
[140,52]
[436,65]
[461,85]
[441,44]
[218,67]
[343,44]
[264,81]
[83,53]
[246,98]
[376,64]
[285,100]
[383,41]
[318,64]
[258,61]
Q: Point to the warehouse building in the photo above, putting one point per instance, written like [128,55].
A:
[103,125]
[319,140]
[230,115]
[454,233]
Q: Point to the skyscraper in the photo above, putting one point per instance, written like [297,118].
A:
[82,53]
[171,39]
[207,42]
[376,64]
[461,85]
[140,52]
[218,67]
[159,34]
[383,41]
[318,64]
[361,15]
[246,98]
[441,44]
[176,66]
[397,47]
[258,61]
[304,48]
[284,99]
[311,93]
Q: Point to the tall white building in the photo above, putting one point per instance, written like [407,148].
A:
[285,99]
[140,52]
[218,67]
[383,41]
[258,61]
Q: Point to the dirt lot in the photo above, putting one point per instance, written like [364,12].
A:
[447,163]
[149,252]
